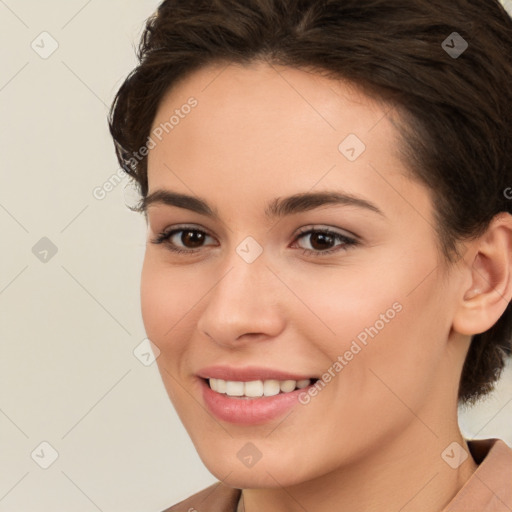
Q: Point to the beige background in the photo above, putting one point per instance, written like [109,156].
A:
[70,321]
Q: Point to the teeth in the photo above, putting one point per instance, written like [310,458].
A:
[257,388]
[303,383]
[234,388]
[253,388]
[287,385]
[221,386]
[271,387]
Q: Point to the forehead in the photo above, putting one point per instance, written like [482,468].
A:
[290,94]
[263,128]
[265,107]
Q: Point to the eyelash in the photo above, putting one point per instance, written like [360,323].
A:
[164,237]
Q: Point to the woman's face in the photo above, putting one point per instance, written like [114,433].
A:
[256,295]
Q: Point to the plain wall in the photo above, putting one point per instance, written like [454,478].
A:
[69,280]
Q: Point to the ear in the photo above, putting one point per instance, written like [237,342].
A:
[489,271]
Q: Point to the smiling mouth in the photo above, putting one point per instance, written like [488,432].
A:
[257,388]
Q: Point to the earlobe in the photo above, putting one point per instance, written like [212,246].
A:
[490,277]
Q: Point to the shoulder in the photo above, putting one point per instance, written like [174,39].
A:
[488,489]
[216,498]
[491,455]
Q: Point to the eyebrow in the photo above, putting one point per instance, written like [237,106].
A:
[278,207]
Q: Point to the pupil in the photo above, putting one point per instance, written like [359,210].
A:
[192,238]
[323,239]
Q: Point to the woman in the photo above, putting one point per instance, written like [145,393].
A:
[328,269]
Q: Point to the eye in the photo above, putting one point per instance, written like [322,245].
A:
[182,239]
[319,242]
[322,241]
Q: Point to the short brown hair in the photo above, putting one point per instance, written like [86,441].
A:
[456,109]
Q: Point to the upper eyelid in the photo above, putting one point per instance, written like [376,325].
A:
[335,231]
[185,228]
[300,231]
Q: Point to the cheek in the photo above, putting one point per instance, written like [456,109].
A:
[403,356]
[164,304]
[387,318]
[165,301]
[341,304]
[153,300]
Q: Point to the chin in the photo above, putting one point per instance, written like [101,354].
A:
[268,472]
[262,478]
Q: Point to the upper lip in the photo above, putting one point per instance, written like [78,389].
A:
[248,373]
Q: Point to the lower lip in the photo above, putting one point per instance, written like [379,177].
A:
[249,411]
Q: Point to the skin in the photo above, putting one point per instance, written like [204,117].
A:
[372,439]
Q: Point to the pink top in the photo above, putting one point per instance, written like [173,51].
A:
[489,489]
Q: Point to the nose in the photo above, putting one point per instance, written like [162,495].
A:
[244,306]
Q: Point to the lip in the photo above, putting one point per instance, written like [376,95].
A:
[249,411]
[249,373]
